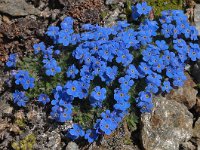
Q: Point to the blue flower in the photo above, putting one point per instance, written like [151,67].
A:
[193,33]
[73,88]
[64,38]
[122,105]
[154,78]
[11,61]
[28,82]
[144,37]
[106,126]
[134,14]
[61,113]
[51,67]
[143,8]
[170,71]
[121,95]
[145,107]
[124,57]
[162,45]
[179,78]
[132,72]
[98,93]
[152,88]
[67,23]
[20,98]
[194,52]
[97,96]
[65,115]
[126,82]
[57,52]
[43,98]
[72,71]
[23,78]
[91,135]
[166,86]
[52,32]
[145,96]
[75,132]
[145,68]
[39,47]
[144,101]
[158,66]
[167,30]
[20,75]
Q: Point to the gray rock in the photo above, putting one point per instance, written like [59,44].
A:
[196,130]
[113,17]
[169,125]
[17,8]
[49,141]
[112,2]
[197,17]
[186,95]
[195,70]
[72,146]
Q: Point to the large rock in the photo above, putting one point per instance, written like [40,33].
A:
[197,17]
[169,125]
[17,8]
[186,95]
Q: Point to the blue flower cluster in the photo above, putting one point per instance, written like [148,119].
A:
[11,61]
[118,57]
[61,104]
[96,51]
[23,78]
[160,59]
[20,98]
[50,64]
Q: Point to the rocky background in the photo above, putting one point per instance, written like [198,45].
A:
[174,123]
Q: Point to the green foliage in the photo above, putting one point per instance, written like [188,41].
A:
[104,14]
[20,123]
[43,83]
[132,121]
[26,144]
[128,7]
[160,5]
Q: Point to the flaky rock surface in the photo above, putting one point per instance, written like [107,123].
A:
[17,8]
[186,95]
[169,125]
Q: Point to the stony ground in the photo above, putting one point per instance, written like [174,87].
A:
[174,123]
